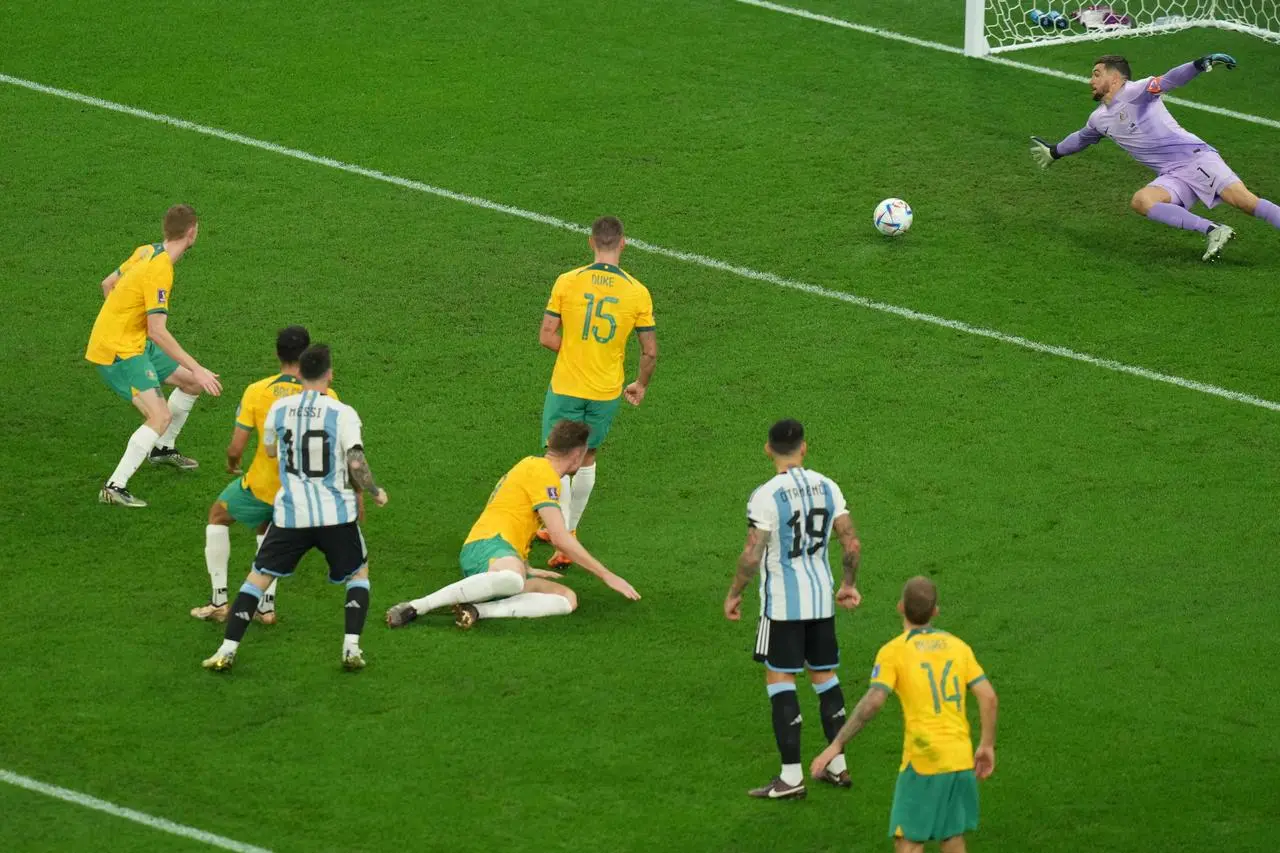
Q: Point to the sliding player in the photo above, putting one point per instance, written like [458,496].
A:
[495,556]
[791,518]
[936,798]
[1187,169]
[248,499]
[135,353]
[322,469]
[590,316]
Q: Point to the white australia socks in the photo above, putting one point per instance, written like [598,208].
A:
[140,443]
[566,495]
[475,588]
[526,605]
[583,482]
[180,403]
[217,551]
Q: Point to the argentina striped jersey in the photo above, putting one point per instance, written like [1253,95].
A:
[313,434]
[797,508]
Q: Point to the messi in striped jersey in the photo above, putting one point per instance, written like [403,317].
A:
[322,465]
[791,519]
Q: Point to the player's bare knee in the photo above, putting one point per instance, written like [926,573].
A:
[571,597]
[1141,203]
[159,420]
[218,514]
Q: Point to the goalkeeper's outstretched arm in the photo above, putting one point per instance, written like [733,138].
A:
[1044,153]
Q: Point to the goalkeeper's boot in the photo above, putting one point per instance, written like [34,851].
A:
[1216,241]
[119,496]
[171,457]
[352,660]
[402,614]
[220,662]
[212,612]
[543,535]
[465,616]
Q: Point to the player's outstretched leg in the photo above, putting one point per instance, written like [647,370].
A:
[355,610]
[238,621]
[831,708]
[789,784]
[539,598]
[1240,197]
[501,581]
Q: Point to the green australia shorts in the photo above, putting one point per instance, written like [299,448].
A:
[128,376]
[933,808]
[597,414]
[476,556]
[243,506]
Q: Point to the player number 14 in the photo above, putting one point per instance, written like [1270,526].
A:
[940,696]
[596,311]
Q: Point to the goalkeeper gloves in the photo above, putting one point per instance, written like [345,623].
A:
[1042,152]
[1209,60]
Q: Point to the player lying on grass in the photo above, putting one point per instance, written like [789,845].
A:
[1187,169]
[248,499]
[495,556]
[135,353]
[936,797]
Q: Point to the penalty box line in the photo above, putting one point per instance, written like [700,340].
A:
[675,254]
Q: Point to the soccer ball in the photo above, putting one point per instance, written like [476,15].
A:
[893,217]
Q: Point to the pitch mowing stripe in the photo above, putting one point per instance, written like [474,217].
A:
[675,254]
[995,60]
[128,814]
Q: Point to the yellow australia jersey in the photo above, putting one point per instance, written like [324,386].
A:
[145,287]
[263,476]
[599,306]
[931,672]
[512,510]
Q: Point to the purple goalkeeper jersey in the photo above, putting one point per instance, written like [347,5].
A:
[1138,121]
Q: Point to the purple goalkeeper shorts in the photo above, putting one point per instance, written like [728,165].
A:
[1203,177]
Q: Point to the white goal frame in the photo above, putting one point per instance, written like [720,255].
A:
[977,43]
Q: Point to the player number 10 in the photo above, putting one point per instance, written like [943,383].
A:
[596,311]
[954,697]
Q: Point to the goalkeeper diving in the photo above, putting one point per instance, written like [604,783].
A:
[1187,168]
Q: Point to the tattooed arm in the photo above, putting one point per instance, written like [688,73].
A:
[864,712]
[362,477]
[848,595]
[748,568]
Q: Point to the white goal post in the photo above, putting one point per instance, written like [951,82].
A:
[998,26]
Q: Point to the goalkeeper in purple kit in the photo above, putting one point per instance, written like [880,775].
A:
[1187,169]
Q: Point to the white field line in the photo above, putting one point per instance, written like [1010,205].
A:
[687,257]
[128,814]
[996,60]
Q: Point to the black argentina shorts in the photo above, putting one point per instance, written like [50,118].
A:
[793,646]
[341,544]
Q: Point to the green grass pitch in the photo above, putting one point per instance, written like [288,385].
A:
[1107,544]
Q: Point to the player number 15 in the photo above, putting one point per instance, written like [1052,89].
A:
[596,311]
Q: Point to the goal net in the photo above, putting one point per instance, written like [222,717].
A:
[997,26]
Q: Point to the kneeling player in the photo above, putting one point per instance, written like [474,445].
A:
[495,556]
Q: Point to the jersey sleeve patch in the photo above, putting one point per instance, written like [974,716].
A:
[1154,86]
